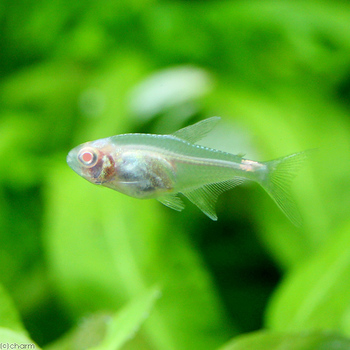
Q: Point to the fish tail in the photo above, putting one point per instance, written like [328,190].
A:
[276,182]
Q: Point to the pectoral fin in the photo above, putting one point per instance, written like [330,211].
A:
[172,201]
[194,133]
[206,196]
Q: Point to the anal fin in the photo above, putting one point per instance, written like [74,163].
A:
[172,201]
[205,197]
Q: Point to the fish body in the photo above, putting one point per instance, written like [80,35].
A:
[162,166]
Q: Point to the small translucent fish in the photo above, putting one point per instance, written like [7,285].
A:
[162,166]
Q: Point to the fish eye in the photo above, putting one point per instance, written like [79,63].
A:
[88,157]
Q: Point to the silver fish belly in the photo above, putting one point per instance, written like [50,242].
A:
[142,174]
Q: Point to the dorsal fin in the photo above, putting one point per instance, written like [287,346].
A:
[194,133]
[205,197]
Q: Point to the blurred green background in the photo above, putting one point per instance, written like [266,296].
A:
[73,254]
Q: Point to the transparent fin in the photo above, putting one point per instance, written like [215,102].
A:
[172,201]
[281,171]
[194,133]
[206,196]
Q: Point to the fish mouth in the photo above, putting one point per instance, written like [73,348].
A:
[70,159]
[72,162]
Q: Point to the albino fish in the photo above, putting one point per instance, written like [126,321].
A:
[162,166]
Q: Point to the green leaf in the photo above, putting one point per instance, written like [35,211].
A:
[9,317]
[127,321]
[265,340]
[103,331]
[316,295]
[89,332]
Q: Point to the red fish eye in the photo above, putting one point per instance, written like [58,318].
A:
[88,157]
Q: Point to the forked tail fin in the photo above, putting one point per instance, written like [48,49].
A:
[276,183]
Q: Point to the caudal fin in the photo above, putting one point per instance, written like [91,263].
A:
[277,181]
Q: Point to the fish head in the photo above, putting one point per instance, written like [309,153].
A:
[93,161]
